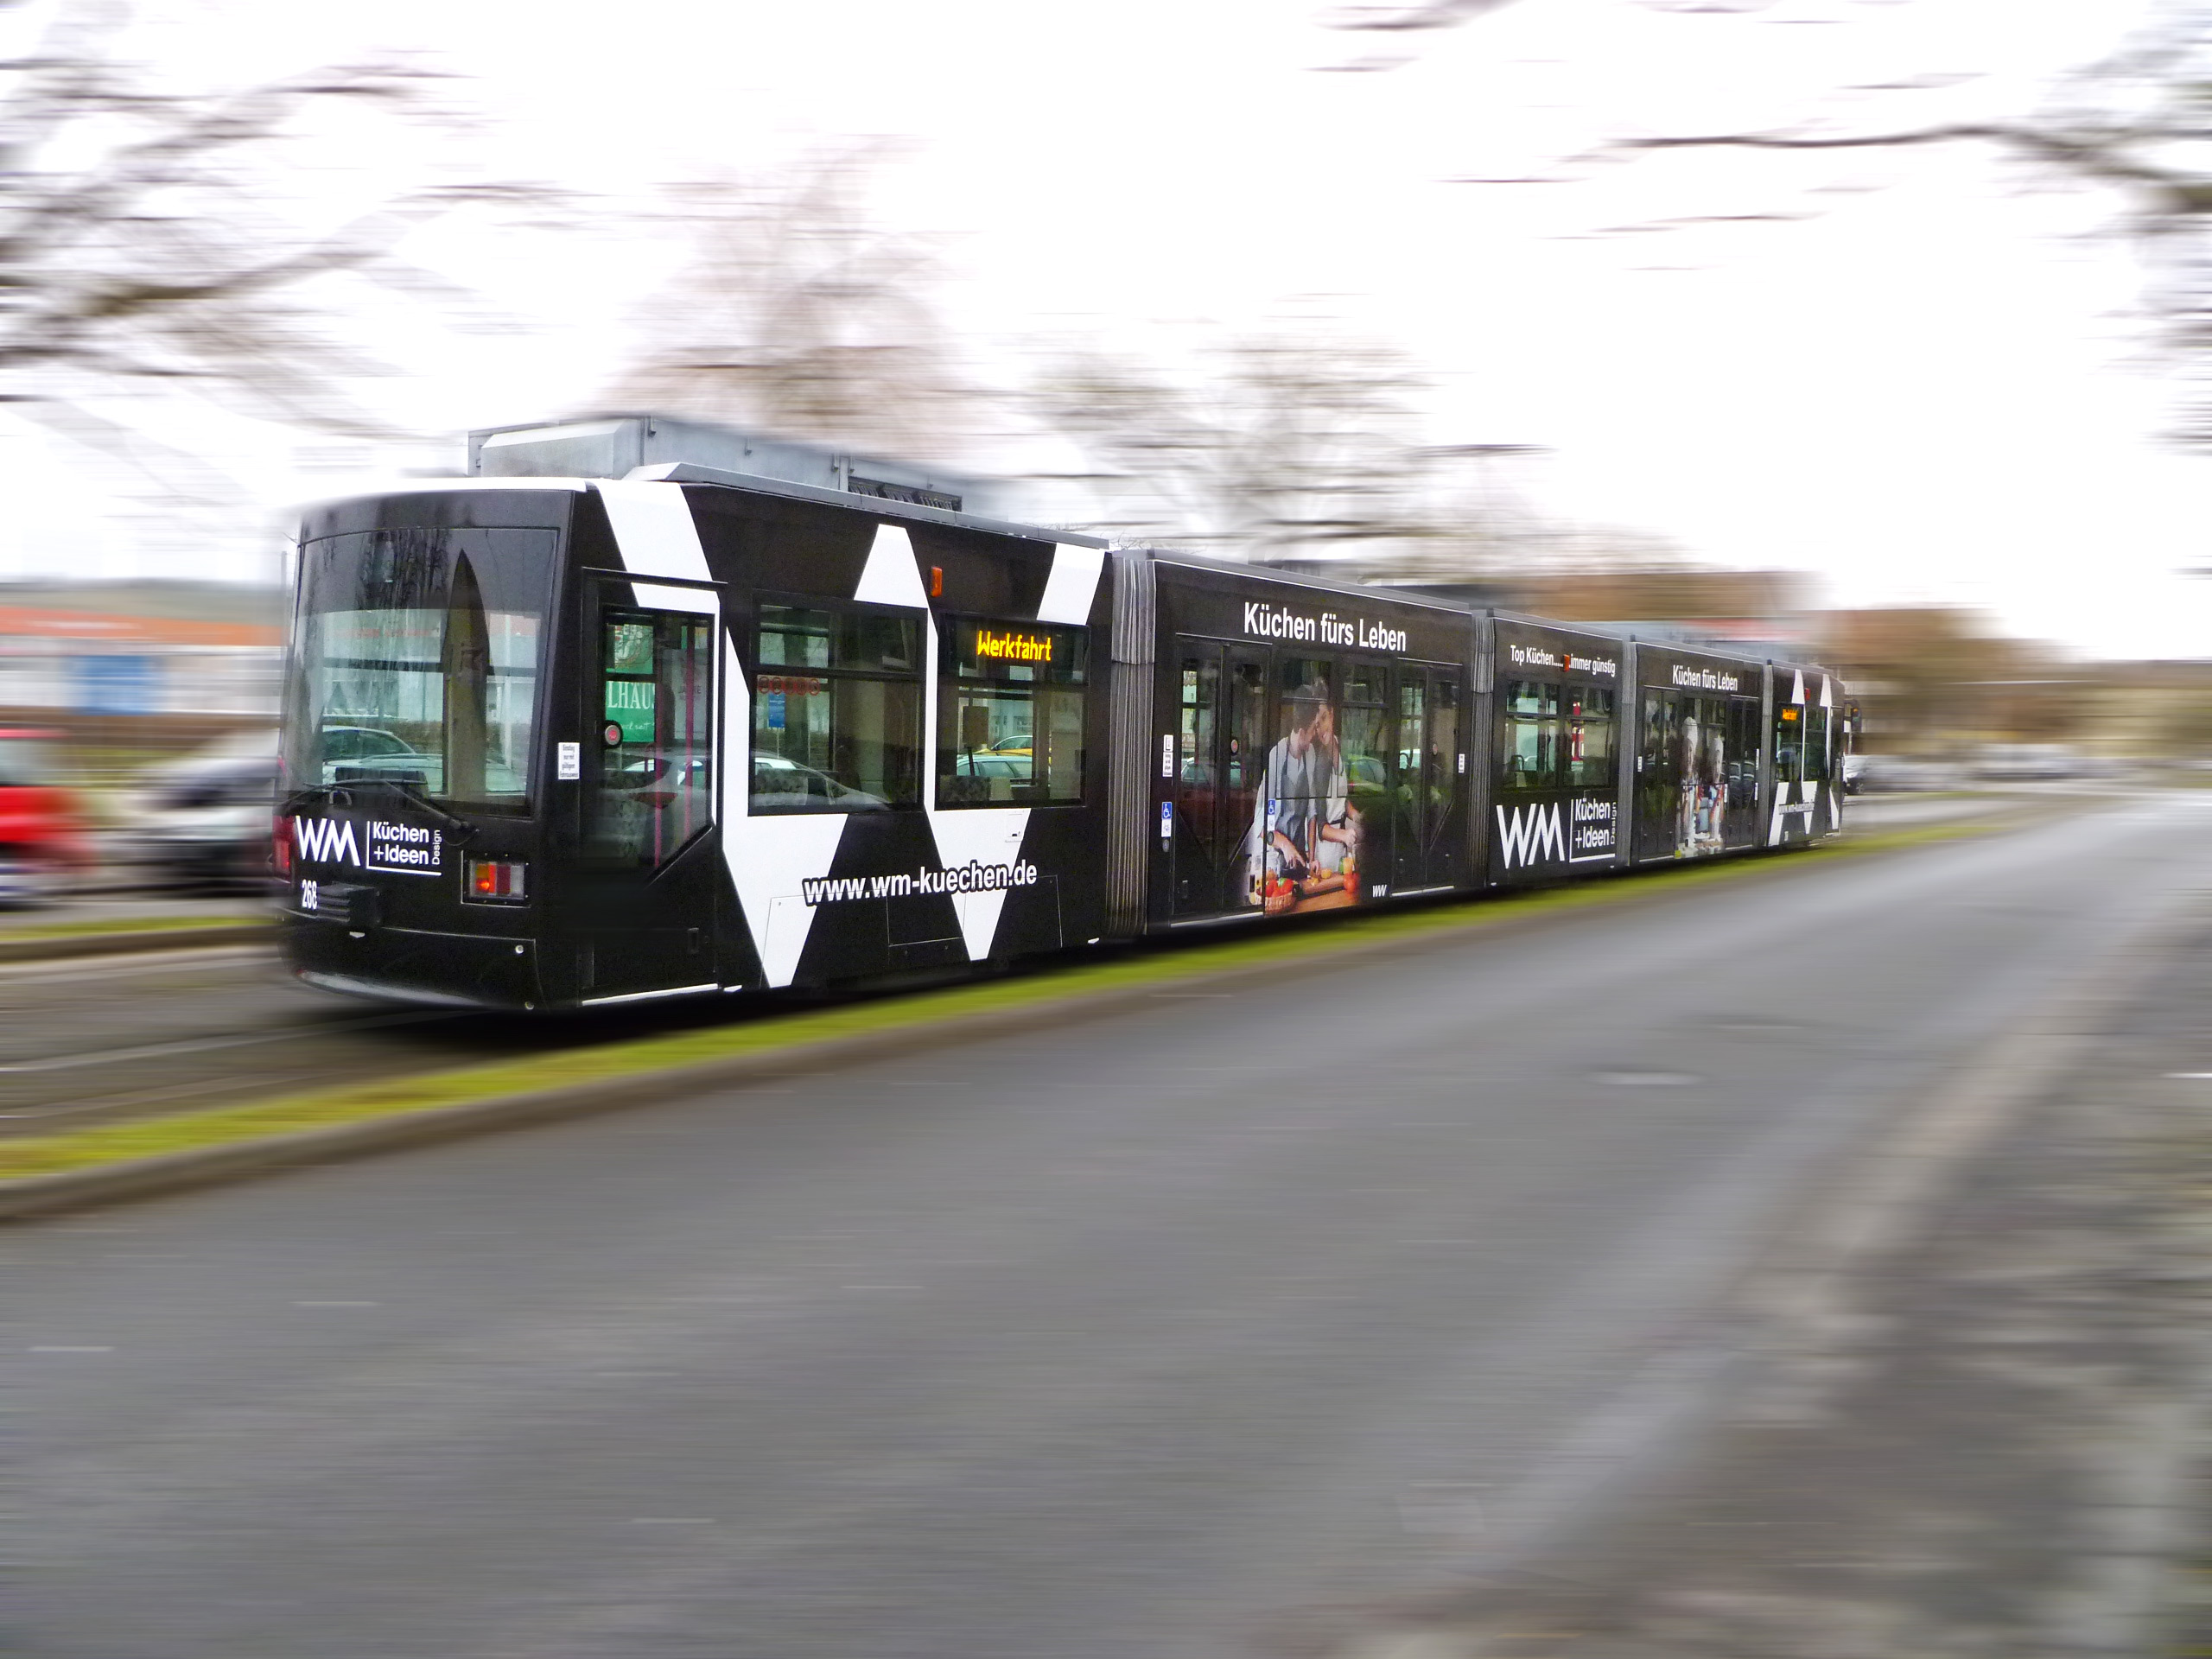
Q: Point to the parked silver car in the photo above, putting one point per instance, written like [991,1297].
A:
[204,820]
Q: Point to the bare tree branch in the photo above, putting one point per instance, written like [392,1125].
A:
[1399,20]
[1289,444]
[144,237]
[2137,125]
[2111,155]
[799,315]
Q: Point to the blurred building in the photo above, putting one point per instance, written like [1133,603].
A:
[1766,613]
[2149,711]
[141,664]
[1936,680]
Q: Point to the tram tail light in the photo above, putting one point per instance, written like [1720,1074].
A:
[498,879]
[280,851]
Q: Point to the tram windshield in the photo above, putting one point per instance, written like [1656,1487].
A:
[416,662]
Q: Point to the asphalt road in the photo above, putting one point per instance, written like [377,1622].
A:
[1196,1329]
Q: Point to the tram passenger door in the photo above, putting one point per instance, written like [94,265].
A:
[1441,748]
[1432,744]
[1195,854]
[1658,775]
[1408,846]
[1244,776]
[1742,825]
[646,882]
[1221,758]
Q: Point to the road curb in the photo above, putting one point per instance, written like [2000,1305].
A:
[132,942]
[33,1197]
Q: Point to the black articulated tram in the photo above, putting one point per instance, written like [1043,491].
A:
[666,727]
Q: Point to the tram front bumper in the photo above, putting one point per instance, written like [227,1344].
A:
[414,964]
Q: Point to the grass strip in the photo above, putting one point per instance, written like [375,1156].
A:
[155,1137]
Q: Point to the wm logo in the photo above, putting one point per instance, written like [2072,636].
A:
[324,842]
[1530,833]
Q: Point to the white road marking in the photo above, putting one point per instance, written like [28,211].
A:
[67,1348]
[1647,1079]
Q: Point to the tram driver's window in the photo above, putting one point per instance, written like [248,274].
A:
[1529,732]
[653,788]
[1011,714]
[836,710]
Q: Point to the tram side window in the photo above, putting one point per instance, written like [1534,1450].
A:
[1816,745]
[1789,740]
[1305,693]
[654,787]
[1589,736]
[1200,707]
[1743,751]
[1198,714]
[1413,728]
[836,710]
[1705,745]
[1362,737]
[1530,733]
[1299,775]
[1011,714]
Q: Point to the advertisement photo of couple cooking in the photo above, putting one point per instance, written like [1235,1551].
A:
[1302,852]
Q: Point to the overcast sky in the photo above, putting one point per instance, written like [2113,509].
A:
[1930,391]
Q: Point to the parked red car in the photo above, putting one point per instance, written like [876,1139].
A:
[43,838]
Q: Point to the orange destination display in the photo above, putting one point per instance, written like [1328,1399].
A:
[1009,647]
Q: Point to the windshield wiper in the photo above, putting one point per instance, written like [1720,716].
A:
[307,794]
[459,832]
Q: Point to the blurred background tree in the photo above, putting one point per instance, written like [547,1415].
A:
[1297,445]
[192,241]
[798,314]
[2135,128]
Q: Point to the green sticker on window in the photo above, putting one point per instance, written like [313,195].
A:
[630,706]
